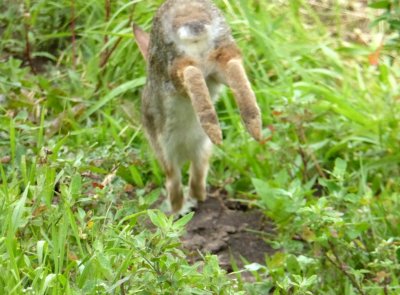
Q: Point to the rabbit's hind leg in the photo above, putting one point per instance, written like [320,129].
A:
[198,173]
[174,186]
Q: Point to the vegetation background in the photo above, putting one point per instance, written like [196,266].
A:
[77,177]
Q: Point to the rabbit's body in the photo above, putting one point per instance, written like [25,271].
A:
[190,53]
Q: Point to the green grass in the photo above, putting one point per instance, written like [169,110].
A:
[327,176]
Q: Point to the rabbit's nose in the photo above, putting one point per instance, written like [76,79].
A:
[196,28]
[193,31]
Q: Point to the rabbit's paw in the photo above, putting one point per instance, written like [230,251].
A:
[189,205]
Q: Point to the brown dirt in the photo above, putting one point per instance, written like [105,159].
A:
[229,230]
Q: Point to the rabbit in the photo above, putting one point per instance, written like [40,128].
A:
[190,53]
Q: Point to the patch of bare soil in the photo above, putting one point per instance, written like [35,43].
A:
[229,230]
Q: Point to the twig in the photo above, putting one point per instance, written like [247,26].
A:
[340,265]
[385,289]
[106,55]
[123,292]
[28,56]
[73,34]
[107,5]
[55,125]
[304,159]
[107,180]
[303,140]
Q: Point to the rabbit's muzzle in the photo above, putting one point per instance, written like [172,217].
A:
[193,31]
[196,28]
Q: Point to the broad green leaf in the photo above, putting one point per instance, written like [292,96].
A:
[181,222]
[292,264]
[47,281]
[340,168]
[40,250]
[19,209]
[158,218]
[76,186]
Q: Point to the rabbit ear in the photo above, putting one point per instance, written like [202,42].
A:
[142,40]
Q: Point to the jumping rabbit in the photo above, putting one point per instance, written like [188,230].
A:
[190,53]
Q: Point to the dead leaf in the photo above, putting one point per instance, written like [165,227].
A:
[39,210]
[380,277]
[72,256]
[90,175]
[129,188]
[265,140]
[5,160]
[97,185]
[276,113]
[374,57]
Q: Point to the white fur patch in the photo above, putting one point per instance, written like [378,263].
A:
[185,34]
[194,45]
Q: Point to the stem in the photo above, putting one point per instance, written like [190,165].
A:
[303,139]
[108,12]
[73,34]
[106,55]
[28,55]
[340,265]
[304,159]
[123,292]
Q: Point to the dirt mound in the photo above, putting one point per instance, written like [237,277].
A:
[229,230]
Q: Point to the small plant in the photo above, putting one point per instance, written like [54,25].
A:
[351,246]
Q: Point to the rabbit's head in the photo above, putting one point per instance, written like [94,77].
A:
[191,25]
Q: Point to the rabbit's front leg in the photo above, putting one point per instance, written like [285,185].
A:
[230,69]
[192,80]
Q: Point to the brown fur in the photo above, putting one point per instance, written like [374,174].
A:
[142,40]
[177,68]
[189,13]
[190,52]
[197,90]
[244,96]
[224,53]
